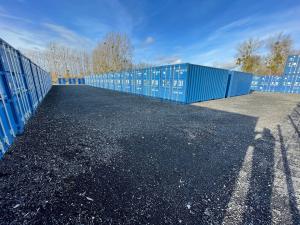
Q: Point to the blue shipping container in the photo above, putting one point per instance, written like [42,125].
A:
[292,66]
[185,83]
[62,81]
[205,83]
[239,83]
[23,85]
[283,84]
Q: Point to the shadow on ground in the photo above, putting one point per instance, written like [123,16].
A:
[94,156]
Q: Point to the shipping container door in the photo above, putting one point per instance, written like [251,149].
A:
[166,82]
[139,82]
[7,93]
[292,66]
[118,83]
[130,88]
[106,84]
[17,79]
[30,83]
[276,83]
[179,76]
[146,81]
[155,82]
[287,84]
[13,88]
[36,80]
[256,83]
[133,81]
[101,80]
[9,116]
[126,85]
[296,84]
[265,83]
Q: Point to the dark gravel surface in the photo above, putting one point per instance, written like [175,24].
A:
[93,156]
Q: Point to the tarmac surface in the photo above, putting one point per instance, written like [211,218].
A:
[94,156]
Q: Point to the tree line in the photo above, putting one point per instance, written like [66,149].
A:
[115,53]
[265,57]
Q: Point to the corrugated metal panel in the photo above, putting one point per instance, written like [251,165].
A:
[7,129]
[31,87]
[139,85]
[288,83]
[292,66]
[166,83]
[22,86]
[239,83]
[180,74]
[283,84]
[184,83]
[296,85]
[81,81]
[72,81]
[256,83]
[155,82]
[206,83]
[62,81]
[275,83]
[13,86]
[36,81]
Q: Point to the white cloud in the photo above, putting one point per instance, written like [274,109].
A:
[68,36]
[167,60]
[149,40]
[20,37]
[5,15]
[219,47]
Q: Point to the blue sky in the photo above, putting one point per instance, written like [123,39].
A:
[162,32]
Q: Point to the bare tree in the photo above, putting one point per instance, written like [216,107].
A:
[247,56]
[62,61]
[279,46]
[113,53]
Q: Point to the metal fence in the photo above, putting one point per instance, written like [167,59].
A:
[23,85]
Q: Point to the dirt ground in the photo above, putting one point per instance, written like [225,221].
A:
[94,156]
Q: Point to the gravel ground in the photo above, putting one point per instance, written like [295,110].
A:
[94,156]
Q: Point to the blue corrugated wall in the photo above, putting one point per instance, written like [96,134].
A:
[23,85]
[289,82]
[71,81]
[239,83]
[206,83]
[283,84]
[292,66]
[185,83]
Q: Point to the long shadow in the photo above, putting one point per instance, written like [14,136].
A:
[294,124]
[258,201]
[288,176]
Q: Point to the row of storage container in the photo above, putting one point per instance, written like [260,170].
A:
[292,66]
[71,81]
[23,85]
[283,84]
[185,83]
